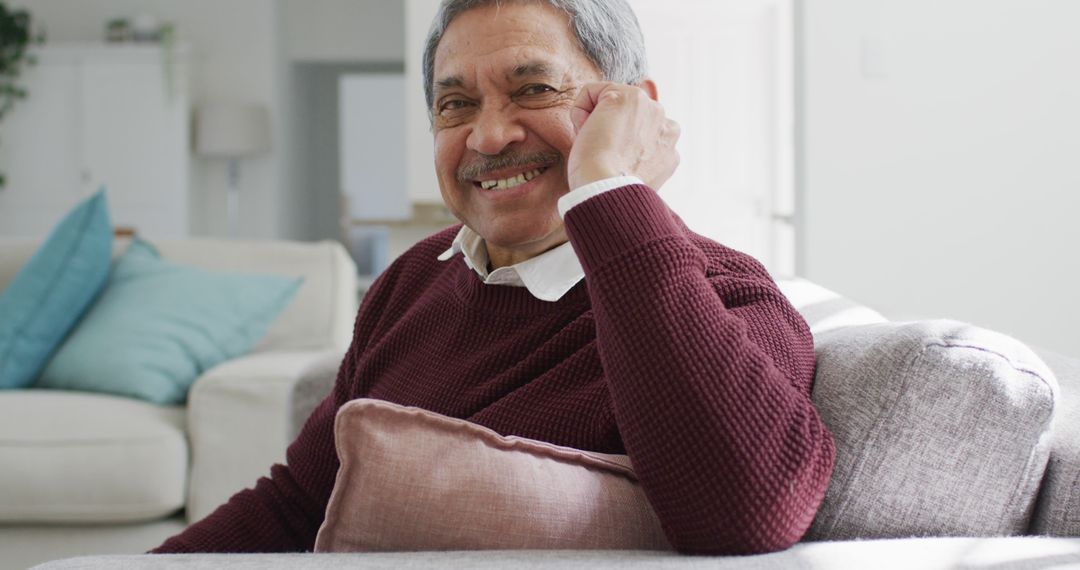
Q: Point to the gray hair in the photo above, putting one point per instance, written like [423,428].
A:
[607,32]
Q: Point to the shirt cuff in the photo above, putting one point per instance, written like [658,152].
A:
[579,195]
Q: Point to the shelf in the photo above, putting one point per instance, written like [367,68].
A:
[75,52]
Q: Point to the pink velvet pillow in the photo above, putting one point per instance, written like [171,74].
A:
[411,479]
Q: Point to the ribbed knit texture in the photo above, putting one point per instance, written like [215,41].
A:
[676,350]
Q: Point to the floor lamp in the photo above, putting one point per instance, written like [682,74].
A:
[232,131]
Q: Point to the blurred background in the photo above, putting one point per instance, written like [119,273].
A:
[921,157]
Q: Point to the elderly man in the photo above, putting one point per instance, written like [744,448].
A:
[571,306]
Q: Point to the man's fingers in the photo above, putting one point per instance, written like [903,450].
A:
[621,128]
[578,117]
[672,129]
[589,95]
[586,101]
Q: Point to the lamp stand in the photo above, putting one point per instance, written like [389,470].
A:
[232,198]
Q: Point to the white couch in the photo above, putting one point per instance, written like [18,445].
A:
[86,473]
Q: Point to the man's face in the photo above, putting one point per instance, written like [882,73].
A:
[505,79]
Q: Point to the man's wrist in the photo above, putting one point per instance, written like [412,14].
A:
[579,195]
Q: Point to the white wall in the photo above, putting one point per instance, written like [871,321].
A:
[234,57]
[939,159]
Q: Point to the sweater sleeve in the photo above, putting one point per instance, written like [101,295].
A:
[710,371]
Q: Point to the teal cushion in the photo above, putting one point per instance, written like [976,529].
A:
[158,326]
[52,290]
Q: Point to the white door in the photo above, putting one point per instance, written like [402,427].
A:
[724,72]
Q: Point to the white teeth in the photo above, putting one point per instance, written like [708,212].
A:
[512,181]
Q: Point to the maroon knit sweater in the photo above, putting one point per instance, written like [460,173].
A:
[675,350]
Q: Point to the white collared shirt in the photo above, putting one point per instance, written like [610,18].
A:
[547,276]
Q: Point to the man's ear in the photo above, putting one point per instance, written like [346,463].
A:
[650,87]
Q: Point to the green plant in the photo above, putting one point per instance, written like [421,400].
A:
[15,40]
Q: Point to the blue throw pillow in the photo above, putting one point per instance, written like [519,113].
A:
[157,326]
[52,290]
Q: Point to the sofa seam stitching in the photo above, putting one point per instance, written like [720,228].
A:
[1029,464]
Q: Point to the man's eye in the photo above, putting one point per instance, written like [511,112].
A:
[540,96]
[453,105]
[453,112]
[536,90]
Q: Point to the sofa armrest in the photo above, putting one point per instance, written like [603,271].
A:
[311,389]
[239,423]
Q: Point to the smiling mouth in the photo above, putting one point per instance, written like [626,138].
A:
[513,181]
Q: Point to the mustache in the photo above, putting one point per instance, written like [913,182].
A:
[478,168]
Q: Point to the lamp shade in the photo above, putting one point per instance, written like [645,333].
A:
[231,129]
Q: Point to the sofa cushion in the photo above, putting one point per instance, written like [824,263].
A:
[52,290]
[158,326]
[941,429]
[411,479]
[72,457]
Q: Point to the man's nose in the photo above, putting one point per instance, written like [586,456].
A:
[494,130]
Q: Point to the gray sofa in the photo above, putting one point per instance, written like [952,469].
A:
[1013,553]
[957,447]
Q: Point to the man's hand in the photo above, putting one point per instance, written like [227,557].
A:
[621,130]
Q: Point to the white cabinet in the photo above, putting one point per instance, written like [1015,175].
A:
[99,116]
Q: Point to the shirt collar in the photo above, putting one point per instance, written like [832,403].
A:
[547,276]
